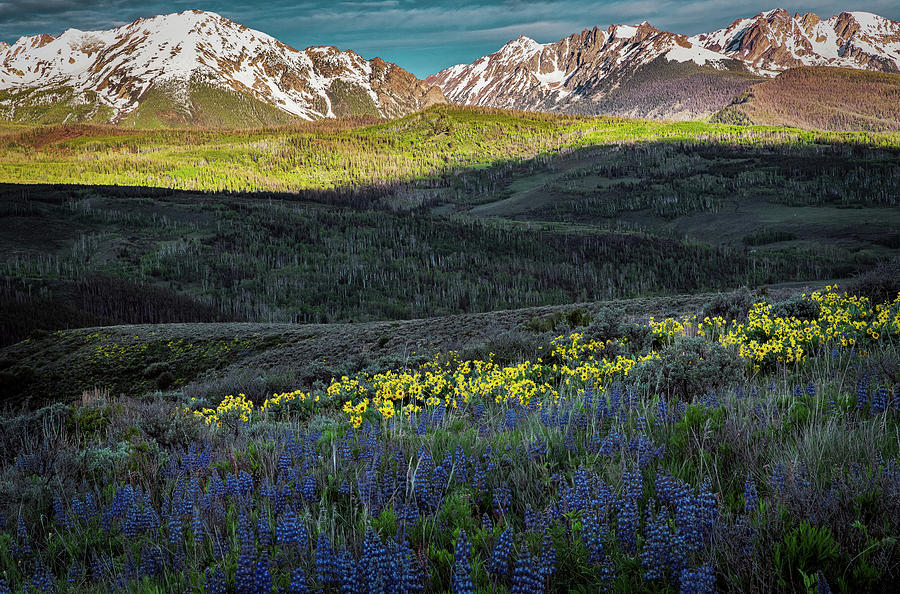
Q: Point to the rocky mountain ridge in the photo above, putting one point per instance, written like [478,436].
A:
[643,71]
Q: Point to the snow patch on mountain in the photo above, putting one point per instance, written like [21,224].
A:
[698,55]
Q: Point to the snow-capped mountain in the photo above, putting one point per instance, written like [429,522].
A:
[643,71]
[173,63]
[598,71]
[774,41]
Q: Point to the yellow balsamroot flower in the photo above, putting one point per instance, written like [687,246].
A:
[670,328]
[356,412]
[279,399]
[231,407]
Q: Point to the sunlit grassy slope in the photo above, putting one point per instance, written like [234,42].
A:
[427,144]
[822,98]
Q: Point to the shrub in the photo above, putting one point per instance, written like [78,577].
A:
[638,337]
[156,420]
[688,367]
[15,379]
[165,380]
[514,346]
[880,284]
[798,306]
[154,370]
[89,419]
[578,317]
[608,324]
[574,318]
[549,323]
[731,306]
[766,235]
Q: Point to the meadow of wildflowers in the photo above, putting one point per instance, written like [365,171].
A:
[581,470]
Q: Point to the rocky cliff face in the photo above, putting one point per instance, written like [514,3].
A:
[175,55]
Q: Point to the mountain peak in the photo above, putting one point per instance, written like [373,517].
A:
[622,31]
[521,44]
[776,13]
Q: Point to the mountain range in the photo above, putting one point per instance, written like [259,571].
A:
[641,71]
[198,68]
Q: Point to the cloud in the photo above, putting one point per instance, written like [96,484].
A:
[423,36]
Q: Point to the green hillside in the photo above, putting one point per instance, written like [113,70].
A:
[427,145]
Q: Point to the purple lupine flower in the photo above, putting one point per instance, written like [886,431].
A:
[22,539]
[75,573]
[612,443]
[526,578]
[593,533]
[462,566]
[298,582]
[502,499]
[548,556]
[245,535]
[499,562]
[627,524]
[42,579]
[656,554]
[412,580]
[262,577]
[59,511]
[214,581]
[152,563]
[880,400]
[286,531]
[862,393]
[510,419]
[778,482]
[197,526]
[698,581]
[245,575]
[308,489]
[662,412]
[349,573]
[325,562]
[751,499]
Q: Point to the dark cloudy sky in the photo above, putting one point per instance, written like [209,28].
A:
[423,37]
